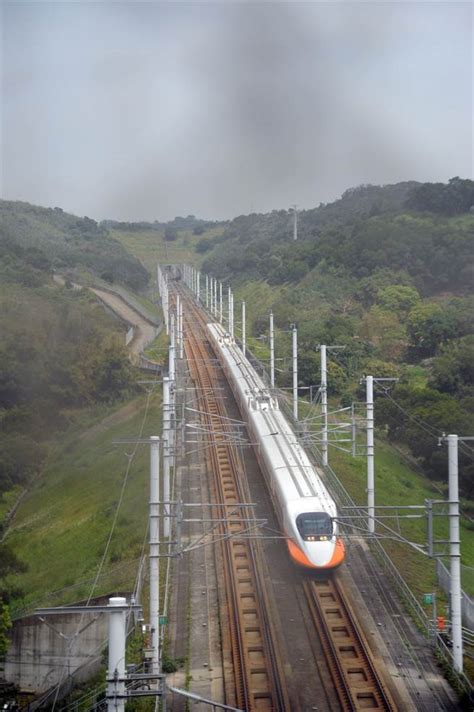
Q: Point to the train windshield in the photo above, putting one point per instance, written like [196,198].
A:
[314,526]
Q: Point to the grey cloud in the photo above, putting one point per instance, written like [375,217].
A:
[147,110]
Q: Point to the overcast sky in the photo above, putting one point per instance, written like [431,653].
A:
[147,110]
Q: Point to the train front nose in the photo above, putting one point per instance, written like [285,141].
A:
[320,553]
[326,554]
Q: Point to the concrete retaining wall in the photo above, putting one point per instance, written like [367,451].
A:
[45,652]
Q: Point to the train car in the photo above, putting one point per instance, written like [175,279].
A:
[305,509]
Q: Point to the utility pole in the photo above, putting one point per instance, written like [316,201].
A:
[353,430]
[165,305]
[244,331]
[229,307]
[172,352]
[181,332]
[166,453]
[455,552]
[272,352]
[369,385]
[295,222]
[178,325]
[155,553]
[220,302]
[116,668]
[198,286]
[324,405]
[295,372]
[232,315]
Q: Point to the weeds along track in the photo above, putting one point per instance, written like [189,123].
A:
[255,679]
[350,662]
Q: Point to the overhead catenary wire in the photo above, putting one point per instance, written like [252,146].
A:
[107,546]
[431,430]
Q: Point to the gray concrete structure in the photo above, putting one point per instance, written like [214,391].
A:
[46,652]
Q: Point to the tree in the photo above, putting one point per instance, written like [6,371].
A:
[398,298]
[453,369]
[429,326]
[171,233]
[385,331]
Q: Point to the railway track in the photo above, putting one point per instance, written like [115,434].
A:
[349,659]
[256,680]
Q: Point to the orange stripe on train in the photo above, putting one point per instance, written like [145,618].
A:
[300,557]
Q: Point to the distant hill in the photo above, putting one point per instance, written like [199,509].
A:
[385,271]
[35,240]
[369,228]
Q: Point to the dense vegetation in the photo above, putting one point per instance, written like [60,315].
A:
[387,272]
[35,239]
[59,351]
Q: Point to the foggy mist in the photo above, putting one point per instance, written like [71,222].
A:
[144,111]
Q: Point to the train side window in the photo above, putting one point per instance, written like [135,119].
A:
[314,526]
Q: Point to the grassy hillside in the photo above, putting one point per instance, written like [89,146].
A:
[151,247]
[61,528]
[60,356]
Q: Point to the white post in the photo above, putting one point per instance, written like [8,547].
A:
[181,331]
[455,553]
[369,381]
[244,330]
[215,297]
[272,352]
[166,306]
[155,552]
[229,307]
[178,325]
[324,405]
[220,302]
[166,454]
[354,434]
[172,352]
[213,289]
[295,372]
[207,291]
[232,315]
[116,687]
[198,286]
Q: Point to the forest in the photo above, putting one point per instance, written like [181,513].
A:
[387,273]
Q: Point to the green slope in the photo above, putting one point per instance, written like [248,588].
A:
[62,526]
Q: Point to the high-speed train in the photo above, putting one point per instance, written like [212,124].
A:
[304,507]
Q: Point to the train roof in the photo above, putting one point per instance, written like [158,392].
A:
[243,372]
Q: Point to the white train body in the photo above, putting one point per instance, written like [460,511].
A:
[304,506]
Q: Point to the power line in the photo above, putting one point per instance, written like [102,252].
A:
[109,539]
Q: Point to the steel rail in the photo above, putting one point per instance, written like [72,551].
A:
[356,680]
[256,672]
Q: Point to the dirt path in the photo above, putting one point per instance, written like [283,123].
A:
[144,331]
